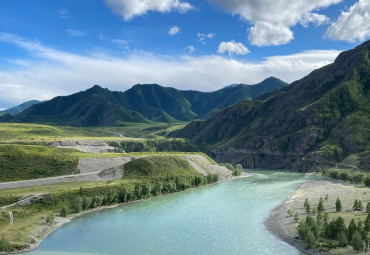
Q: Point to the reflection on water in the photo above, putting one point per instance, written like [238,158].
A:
[225,218]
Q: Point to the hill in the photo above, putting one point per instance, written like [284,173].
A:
[17,109]
[142,103]
[318,121]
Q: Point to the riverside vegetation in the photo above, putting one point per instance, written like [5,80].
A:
[25,154]
[320,232]
[143,178]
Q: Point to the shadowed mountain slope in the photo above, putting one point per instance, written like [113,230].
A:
[317,121]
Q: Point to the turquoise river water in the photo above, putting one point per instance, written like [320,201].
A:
[221,219]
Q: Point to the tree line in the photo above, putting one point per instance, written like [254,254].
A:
[312,228]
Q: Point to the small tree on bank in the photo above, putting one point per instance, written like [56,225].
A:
[338,205]
[64,212]
[357,205]
[368,207]
[320,207]
[310,238]
[307,206]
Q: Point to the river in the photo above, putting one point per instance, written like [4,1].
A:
[225,218]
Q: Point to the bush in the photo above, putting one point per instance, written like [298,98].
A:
[4,245]
[50,219]
[64,212]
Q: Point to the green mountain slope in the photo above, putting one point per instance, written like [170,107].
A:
[17,109]
[93,107]
[317,121]
[142,103]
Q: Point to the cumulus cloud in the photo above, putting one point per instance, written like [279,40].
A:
[203,37]
[232,47]
[75,32]
[51,72]
[352,25]
[174,30]
[131,8]
[314,18]
[272,20]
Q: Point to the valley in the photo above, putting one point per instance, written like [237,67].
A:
[98,149]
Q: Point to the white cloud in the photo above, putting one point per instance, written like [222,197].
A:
[190,49]
[63,13]
[51,72]
[131,8]
[273,19]
[174,30]
[352,25]
[76,33]
[314,18]
[232,47]
[265,33]
[202,37]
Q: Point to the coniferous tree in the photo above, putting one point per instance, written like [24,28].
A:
[368,207]
[357,242]
[360,206]
[307,206]
[351,229]
[367,223]
[338,205]
[320,207]
[355,205]
[342,238]
[310,238]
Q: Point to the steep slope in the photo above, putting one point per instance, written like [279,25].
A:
[19,108]
[101,107]
[316,121]
[93,107]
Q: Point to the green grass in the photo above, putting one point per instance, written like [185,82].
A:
[19,162]
[158,166]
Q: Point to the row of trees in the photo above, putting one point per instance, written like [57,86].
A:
[237,169]
[313,228]
[346,175]
[84,199]
[357,206]
[355,234]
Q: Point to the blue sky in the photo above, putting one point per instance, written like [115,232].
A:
[50,48]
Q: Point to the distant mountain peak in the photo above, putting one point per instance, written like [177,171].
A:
[99,106]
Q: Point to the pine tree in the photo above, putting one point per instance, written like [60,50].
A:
[307,206]
[320,207]
[367,223]
[355,205]
[360,207]
[357,242]
[351,229]
[342,238]
[368,207]
[338,205]
[310,238]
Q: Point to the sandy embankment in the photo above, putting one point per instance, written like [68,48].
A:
[284,227]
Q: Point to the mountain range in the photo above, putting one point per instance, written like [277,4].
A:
[141,103]
[19,108]
[318,121]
